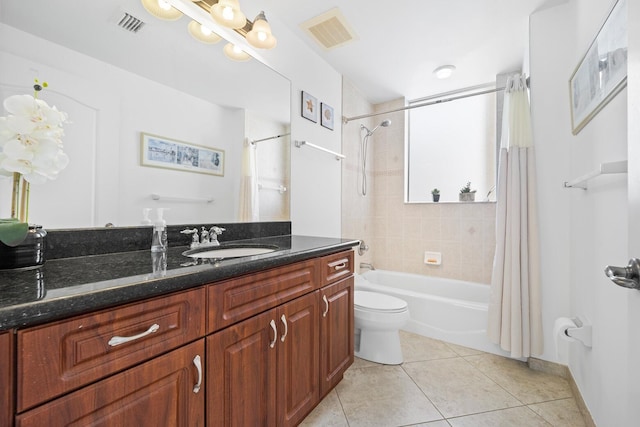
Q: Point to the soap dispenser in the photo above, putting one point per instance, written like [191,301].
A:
[159,239]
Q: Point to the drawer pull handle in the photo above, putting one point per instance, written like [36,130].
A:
[114,341]
[198,362]
[284,322]
[275,333]
[340,266]
[326,306]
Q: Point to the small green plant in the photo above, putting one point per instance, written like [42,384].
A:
[435,191]
[467,189]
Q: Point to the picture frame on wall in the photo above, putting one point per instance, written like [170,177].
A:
[326,115]
[602,73]
[309,107]
[160,152]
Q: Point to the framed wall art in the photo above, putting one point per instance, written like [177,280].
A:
[309,107]
[326,115]
[602,72]
[161,152]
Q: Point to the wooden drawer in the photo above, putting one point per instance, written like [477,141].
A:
[335,267]
[165,391]
[65,355]
[6,378]
[238,299]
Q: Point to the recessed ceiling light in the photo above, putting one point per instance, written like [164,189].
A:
[444,72]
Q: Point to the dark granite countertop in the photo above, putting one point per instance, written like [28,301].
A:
[70,286]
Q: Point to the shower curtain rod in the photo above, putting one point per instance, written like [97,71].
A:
[266,139]
[346,120]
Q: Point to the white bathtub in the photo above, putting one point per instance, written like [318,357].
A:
[450,310]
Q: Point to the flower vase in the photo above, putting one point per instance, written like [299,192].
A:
[28,254]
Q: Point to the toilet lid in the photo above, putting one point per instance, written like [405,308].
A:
[374,301]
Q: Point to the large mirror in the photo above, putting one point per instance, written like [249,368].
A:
[116,84]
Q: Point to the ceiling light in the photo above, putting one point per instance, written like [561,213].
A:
[227,13]
[444,72]
[202,33]
[260,35]
[162,9]
[235,52]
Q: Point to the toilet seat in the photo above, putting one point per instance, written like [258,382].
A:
[376,302]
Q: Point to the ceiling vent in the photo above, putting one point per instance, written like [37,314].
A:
[130,23]
[330,30]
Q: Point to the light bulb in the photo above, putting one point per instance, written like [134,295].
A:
[164,5]
[262,36]
[227,13]
[204,30]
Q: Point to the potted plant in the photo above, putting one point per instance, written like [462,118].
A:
[467,194]
[31,141]
[436,194]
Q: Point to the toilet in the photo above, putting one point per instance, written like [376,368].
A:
[377,321]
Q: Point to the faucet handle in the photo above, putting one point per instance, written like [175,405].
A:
[194,239]
[215,230]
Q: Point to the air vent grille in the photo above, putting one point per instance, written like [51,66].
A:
[130,23]
[330,30]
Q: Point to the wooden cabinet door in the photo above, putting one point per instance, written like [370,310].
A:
[336,332]
[6,378]
[242,373]
[161,392]
[298,359]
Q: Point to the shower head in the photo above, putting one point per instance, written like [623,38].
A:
[384,123]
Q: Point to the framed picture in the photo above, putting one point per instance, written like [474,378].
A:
[309,107]
[326,115]
[602,72]
[161,152]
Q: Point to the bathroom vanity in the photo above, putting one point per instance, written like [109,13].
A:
[248,341]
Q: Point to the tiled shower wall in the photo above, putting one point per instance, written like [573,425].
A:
[398,234]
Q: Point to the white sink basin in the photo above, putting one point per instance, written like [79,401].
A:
[221,252]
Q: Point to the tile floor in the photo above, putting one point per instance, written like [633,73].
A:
[445,385]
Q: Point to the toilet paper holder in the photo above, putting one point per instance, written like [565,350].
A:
[582,332]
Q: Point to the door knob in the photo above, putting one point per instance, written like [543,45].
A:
[627,277]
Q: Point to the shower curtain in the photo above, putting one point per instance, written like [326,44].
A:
[249,198]
[515,320]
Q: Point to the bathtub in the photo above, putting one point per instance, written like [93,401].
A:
[450,310]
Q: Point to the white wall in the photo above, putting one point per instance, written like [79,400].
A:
[581,231]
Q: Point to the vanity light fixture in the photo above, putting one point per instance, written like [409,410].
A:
[202,33]
[228,14]
[162,9]
[235,52]
[444,72]
[260,35]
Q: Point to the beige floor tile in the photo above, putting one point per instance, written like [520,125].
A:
[328,413]
[513,417]
[441,423]
[383,396]
[560,413]
[456,388]
[525,384]
[417,348]
[464,351]
[361,363]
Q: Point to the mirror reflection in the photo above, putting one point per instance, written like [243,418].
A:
[116,85]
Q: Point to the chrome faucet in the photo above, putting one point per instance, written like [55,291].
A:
[213,234]
[206,237]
